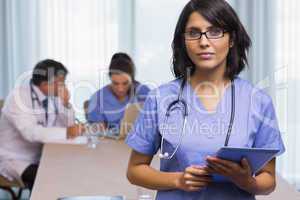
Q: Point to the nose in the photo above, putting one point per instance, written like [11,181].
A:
[121,89]
[204,42]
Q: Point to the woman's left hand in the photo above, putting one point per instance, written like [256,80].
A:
[240,174]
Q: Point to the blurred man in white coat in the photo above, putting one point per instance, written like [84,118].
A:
[33,114]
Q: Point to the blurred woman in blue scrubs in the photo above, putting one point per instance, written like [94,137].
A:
[209,51]
[106,107]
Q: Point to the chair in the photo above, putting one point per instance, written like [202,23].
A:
[1,105]
[130,115]
[8,185]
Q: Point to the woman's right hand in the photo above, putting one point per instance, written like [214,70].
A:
[194,178]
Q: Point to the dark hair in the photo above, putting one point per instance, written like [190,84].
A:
[220,14]
[122,63]
[45,70]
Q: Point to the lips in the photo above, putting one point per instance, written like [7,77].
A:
[205,55]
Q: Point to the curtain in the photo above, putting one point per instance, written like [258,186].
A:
[258,19]
[274,67]
[18,39]
[287,76]
[83,35]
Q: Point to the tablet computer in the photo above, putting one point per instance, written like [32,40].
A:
[257,157]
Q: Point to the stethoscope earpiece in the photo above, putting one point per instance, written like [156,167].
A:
[165,155]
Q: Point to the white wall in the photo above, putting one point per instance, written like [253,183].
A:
[154,27]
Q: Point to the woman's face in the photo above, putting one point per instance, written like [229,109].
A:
[120,84]
[206,54]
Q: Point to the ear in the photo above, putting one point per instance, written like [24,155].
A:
[232,39]
[43,84]
[231,44]
[44,87]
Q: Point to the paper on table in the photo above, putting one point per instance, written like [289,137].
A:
[93,198]
[77,140]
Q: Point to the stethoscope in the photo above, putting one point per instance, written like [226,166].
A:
[180,100]
[34,98]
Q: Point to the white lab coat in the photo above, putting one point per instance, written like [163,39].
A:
[23,129]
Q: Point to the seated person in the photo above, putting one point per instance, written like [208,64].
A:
[35,113]
[107,106]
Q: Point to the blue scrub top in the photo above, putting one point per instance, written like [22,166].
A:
[255,125]
[105,107]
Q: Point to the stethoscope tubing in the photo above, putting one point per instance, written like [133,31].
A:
[34,98]
[166,155]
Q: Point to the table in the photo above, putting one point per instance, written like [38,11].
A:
[71,170]
[283,191]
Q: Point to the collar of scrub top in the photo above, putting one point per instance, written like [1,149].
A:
[42,100]
[166,155]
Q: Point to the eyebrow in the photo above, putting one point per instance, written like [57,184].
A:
[116,82]
[196,28]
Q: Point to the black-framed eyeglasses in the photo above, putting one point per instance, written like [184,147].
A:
[214,33]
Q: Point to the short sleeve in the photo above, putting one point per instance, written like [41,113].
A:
[95,113]
[142,92]
[268,134]
[144,137]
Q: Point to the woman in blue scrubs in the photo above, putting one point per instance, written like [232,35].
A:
[106,107]
[209,51]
